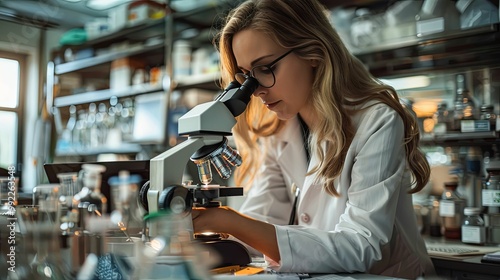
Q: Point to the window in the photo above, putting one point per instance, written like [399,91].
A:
[11,105]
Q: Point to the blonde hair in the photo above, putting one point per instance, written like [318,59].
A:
[341,82]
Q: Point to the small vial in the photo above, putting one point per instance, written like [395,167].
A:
[473,229]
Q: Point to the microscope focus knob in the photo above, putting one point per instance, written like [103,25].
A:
[176,198]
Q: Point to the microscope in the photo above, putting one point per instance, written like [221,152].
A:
[206,126]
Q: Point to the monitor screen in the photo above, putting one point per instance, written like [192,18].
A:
[135,167]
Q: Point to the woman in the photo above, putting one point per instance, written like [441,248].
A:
[321,122]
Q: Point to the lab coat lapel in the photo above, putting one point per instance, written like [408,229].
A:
[291,154]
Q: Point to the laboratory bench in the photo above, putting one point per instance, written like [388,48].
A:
[462,267]
[447,267]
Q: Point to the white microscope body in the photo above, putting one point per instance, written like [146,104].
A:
[206,126]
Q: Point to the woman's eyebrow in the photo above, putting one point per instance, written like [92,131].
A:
[256,61]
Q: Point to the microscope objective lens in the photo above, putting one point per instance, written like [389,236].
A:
[204,171]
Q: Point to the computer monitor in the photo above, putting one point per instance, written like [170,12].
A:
[137,167]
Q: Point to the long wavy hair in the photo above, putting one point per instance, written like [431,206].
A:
[341,83]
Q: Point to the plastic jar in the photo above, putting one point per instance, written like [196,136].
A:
[473,229]
[181,57]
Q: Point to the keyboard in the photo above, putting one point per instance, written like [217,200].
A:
[451,250]
[457,250]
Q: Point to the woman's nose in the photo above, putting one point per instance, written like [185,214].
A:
[260,91]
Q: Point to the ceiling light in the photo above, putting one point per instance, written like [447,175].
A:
[408,82]
[104,4]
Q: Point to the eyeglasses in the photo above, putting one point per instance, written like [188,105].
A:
[264,74]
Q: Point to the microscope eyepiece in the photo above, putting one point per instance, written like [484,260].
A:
[236,99]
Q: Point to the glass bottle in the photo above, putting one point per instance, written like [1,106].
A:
[126,214]
[434,217]
[93,130]
[68,189]
[90,199]
[451,209]
[465,109]
[491,191]
[473,230]
[102,123]
[442,119]
[172,254]
[487,113]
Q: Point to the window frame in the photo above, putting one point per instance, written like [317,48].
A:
[19,110]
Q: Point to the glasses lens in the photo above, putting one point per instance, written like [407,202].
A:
[264,75]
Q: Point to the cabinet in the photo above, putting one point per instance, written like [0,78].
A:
[130,75]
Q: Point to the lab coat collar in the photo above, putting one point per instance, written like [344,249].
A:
[291,150]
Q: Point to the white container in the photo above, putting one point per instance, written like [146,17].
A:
[181,58]
[473,229]
[200,61]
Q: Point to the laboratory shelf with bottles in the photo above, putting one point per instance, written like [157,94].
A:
[131,70]
[429,68]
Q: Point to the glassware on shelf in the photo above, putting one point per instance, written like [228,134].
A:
[80,131]
[473,229]
[465,108]
[443,119]
[451,209]
[102,123]
[487,113]
[434,217]
[66,141]
[93,131]
[127,119]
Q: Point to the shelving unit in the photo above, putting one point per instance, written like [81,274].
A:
[149,41]
[106,94]
[461,139]
[446,53]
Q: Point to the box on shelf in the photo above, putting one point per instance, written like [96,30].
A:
[474,125]
[121,72]
[143,10]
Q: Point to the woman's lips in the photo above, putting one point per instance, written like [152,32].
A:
[270,106]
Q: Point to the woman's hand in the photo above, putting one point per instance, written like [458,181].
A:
[213,219]
[257,234]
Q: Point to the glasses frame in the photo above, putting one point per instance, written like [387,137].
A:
[269,66]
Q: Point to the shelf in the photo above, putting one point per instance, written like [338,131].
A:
[208,81]
[124,148]
[474,47]
[140,31]
[105,58]
[458,138]
[100,95]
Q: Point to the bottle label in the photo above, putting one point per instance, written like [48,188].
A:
[491,198]
[447,209]
[473,234]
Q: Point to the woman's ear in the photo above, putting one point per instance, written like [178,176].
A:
[314,63]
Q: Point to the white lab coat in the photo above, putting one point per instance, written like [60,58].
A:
[370,228]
